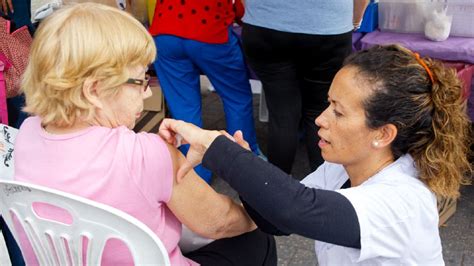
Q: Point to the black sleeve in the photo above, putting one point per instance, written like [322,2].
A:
[290,206]
[261,222]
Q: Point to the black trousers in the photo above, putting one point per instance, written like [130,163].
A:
[296,71]
[251,249]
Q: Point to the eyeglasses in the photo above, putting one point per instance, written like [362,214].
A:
[140,82]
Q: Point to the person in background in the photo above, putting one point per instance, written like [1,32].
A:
[19,12]
[84,101]
[295,50]
[394,137]
[193,38]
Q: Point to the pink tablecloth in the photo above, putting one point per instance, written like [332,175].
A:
[453,49]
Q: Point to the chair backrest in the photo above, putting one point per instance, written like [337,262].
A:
[57,243]
[7,142]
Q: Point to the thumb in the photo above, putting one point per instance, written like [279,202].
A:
[239,138]
[183,171]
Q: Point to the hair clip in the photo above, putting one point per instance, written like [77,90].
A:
[422,63]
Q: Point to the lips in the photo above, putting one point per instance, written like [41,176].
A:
[324,140]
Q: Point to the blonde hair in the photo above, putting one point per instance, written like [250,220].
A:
[430,115]
[78,43]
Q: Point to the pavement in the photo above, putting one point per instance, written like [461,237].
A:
[457,234]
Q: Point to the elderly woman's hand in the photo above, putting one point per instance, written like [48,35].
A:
[178,132]
[5,6]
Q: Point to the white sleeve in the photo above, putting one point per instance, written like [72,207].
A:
[328,176]
[385,213]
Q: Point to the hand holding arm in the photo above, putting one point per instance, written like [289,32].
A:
[287,205]
[173,130]
[216,216]
[177,132]
[6,6]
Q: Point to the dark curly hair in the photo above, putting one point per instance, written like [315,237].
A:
[430,116]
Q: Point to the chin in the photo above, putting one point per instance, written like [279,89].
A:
[329,159]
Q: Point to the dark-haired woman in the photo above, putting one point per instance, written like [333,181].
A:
[394,136]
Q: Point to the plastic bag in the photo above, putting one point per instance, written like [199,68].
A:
[16,47]
[438,25]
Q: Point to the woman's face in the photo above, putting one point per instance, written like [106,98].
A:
[127,106]
[344,136]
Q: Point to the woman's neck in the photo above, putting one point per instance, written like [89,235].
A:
[57,130]
[361,172]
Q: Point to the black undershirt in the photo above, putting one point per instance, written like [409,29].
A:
[278,203]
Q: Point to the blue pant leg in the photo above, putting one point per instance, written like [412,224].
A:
[179,80]
[224,65]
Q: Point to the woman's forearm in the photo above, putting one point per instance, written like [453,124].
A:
[284,202]
[359,9]
[235,221]
[203,210]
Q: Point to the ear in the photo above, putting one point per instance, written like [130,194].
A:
[385,135]
[89,89]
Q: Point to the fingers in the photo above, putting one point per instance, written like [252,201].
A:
[238,135]
[166,131]
[179,140]
[183,171]
[10,5]
[223,132]
[239,139]
[169,128]
[4,6]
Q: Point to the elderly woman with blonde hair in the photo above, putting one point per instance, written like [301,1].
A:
[85,85]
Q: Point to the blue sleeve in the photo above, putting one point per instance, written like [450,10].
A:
[281,201]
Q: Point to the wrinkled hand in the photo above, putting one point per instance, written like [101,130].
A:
[5,6]
[177,132]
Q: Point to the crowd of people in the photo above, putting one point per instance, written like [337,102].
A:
[385,129]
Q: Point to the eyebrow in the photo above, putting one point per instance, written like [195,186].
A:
[336,103]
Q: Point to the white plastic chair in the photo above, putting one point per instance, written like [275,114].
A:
[94,221]
[7,140]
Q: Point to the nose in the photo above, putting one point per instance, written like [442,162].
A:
[148,93]
[321,121]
